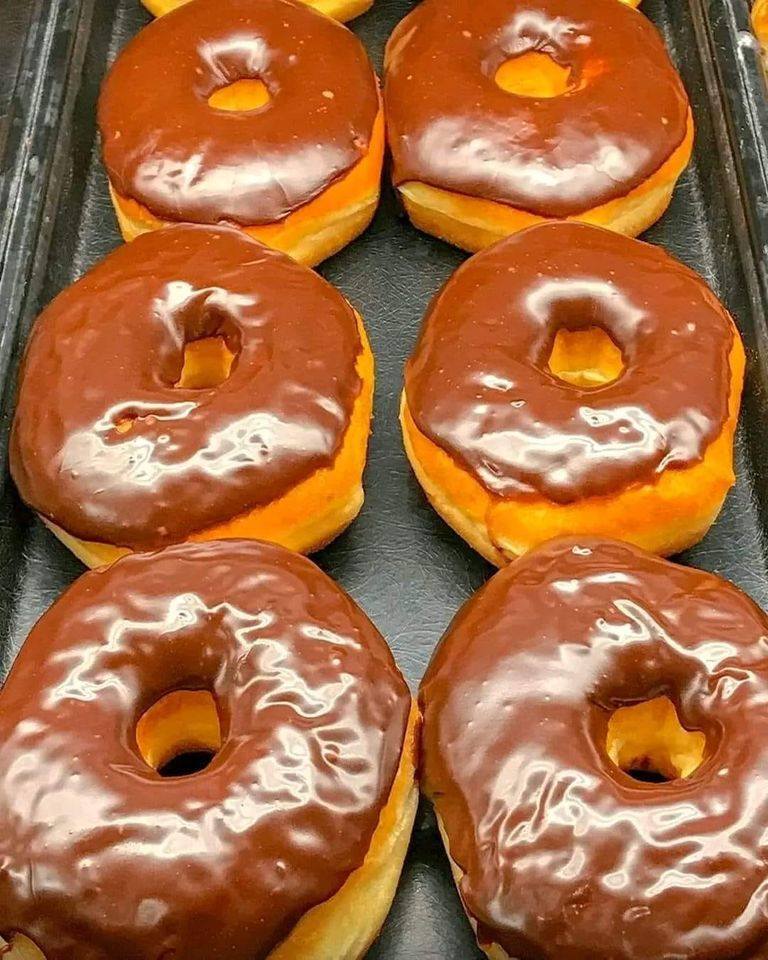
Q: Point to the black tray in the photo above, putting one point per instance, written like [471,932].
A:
[405,567]
[725,32]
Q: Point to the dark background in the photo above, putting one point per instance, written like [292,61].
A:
[399,561]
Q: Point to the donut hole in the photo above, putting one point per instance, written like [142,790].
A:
[180,734]
[187,764]
[207,363]
[125,424]
[648,742]
[242,96]
[533,74]
[19,947]
[586,358]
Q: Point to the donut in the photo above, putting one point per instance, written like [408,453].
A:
[262,115]
[760,25]
[286,842]
[572,380]
[594,747]
[194,385]
[508,113]
[338,9]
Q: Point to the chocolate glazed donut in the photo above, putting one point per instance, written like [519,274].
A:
[759,18]
[472,386]
[167,148]
[481,393]
[621,116]
[559,853]
[103,858]
[338,9]
[109,447]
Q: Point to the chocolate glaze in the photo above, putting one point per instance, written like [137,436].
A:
[164,146]
[101,858]
[478,383]
[564,856]
[451,126]
[111,347]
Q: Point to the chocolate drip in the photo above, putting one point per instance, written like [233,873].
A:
[103,859]
[451,126]
[108,351]
[479,386]
[165,147]
[563,855]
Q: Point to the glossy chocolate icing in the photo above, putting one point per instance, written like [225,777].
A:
[564,856]
[100,857]
[451,126]
[478,383]
[165,147]
[110,348]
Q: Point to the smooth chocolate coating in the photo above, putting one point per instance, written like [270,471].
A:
[479,386]
[110,349]
[564,856]
[165,147]
[103,859]
[451,126]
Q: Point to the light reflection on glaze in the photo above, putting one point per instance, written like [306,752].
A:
[451,126]
[110,348]
[102,859]
[478,384]
[164,145]
[564,856]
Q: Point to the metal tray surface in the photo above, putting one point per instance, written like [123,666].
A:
[724,30]
[399,561]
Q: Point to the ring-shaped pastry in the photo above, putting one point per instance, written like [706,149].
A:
[760,26]
[298,166]
[338,9]
[288,844]
[121,442]
[505,113]
[571,380]
[596,747]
